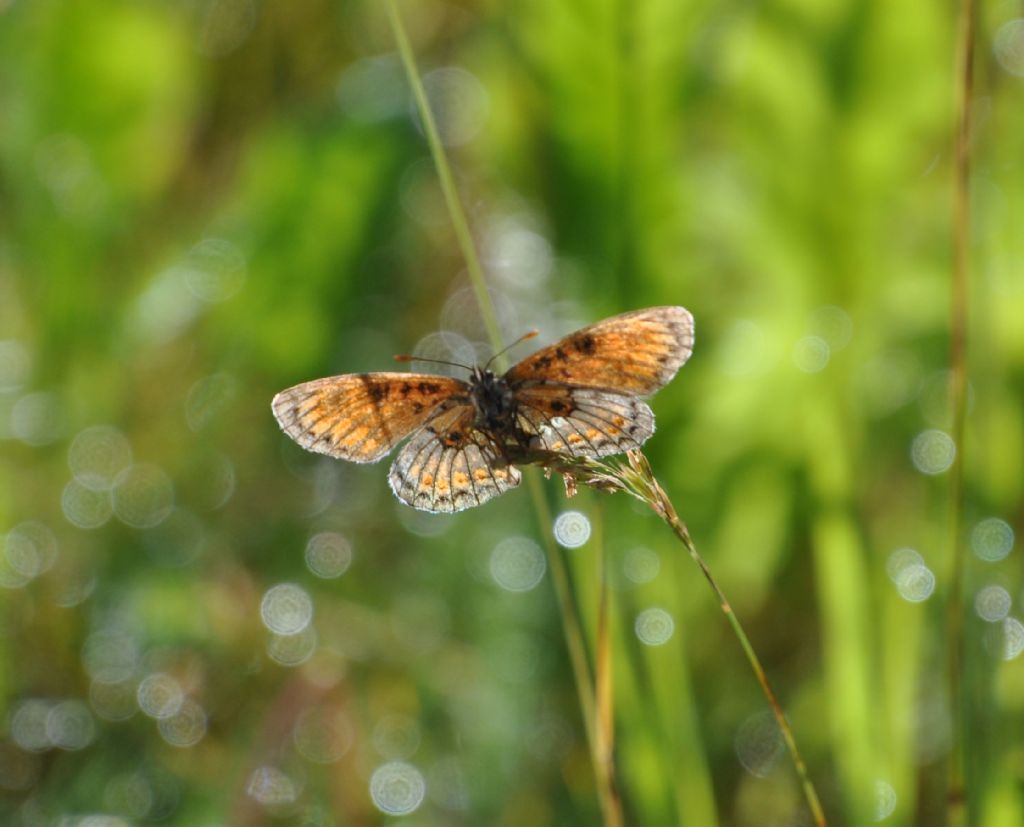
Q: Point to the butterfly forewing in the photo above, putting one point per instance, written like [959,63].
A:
[634,353]
[361,416]
[588,422]
[450,465]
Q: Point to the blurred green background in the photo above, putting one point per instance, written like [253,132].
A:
[204,202]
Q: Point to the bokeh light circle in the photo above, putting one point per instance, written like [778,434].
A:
[292,650]
[86,507]
[159,695]
[447,346]
[1005,639]
[641,564]
[113,701]
[811,354]
[70,725]
[286,609]
[27,726]
[143,496]
[758,744]
[271,787]
[186,727]
[76,582]
[328,554]
[932,451]
[397,788]
[97,455]
[915,583]
[9,577]
[654,626]
[992,539]
[572,529]
[992,603]
[899,560]
[459,103]
[885,800]
[461,313]
[517,564]
[517,255]
[1008,46]
[30,549]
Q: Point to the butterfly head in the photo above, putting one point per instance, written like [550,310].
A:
[493,399]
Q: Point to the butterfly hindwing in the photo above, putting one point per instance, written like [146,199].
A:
[450,465]
[361,416]
[633,353]
[589,422]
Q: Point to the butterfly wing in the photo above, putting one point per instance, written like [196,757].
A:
[634,353]
[361,416]
[449,465]
[587,422]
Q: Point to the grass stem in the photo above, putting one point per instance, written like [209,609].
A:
[959,303]
[460,223]
[638,480]
[611,805]
[604,746]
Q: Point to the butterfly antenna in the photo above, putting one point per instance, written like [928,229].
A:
[528,335]
[408,357]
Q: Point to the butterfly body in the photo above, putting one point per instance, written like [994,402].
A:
[493,400]
[579,397]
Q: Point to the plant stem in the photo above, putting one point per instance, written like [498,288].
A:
[570,616]
[668,513]
[964,78]
[638,479]
[605,696]
[460,224]
[611,806]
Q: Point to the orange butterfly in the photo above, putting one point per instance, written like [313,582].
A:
[577,397]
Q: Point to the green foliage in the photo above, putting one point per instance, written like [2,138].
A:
[204,203]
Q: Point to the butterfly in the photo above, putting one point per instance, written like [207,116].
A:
[581,397]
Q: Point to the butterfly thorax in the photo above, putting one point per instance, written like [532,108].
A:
[493,400]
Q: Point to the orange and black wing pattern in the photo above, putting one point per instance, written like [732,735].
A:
[579,397]
[633,353]
[582,422]
[361,416]
[450,465]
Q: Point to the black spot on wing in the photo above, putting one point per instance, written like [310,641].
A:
[585,344]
